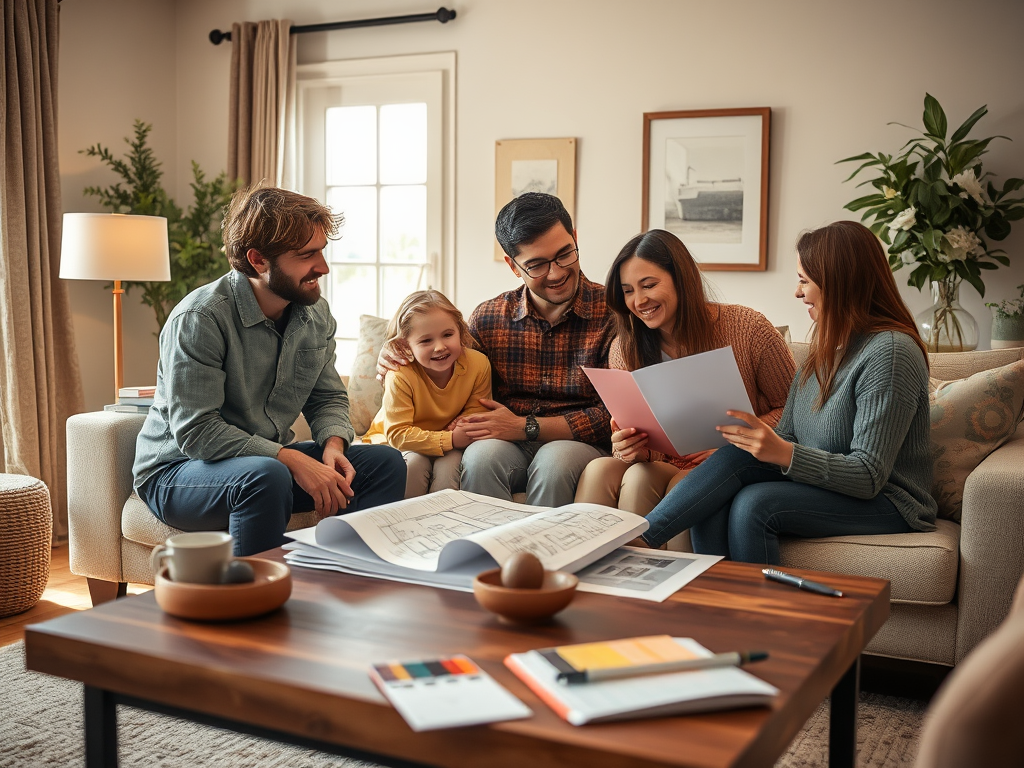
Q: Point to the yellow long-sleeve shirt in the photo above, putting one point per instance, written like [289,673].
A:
[415,411]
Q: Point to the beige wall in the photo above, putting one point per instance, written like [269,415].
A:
[116,64]
[833,73]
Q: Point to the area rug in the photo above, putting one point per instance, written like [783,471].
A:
[41,726]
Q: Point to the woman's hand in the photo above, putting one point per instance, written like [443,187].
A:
[628,445]
[757,439]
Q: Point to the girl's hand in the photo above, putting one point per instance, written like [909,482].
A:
[757,439]
[628,445]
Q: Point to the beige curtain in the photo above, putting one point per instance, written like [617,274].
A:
[40,385]
[262,118]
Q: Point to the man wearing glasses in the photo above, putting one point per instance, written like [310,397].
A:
[546,422]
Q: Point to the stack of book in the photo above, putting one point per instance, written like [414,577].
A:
[133,400]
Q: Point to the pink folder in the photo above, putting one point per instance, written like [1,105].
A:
[627,405]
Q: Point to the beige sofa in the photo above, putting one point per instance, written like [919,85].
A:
[950,588]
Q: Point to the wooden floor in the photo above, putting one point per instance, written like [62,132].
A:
[64,593]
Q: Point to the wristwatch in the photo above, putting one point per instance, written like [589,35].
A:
[532,428]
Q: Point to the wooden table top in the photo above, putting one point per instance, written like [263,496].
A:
[302,669]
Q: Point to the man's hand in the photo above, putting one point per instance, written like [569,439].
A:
[393,355]
[499,423]
[757,439]
[323,483]
[335,458]
[628,445]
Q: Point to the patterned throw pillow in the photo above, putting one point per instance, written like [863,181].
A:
[364,391]
[971,418]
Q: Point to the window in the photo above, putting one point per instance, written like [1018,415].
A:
[373,147]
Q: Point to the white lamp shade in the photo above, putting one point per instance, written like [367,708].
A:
[114,246]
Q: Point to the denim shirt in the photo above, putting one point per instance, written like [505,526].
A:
[229,385]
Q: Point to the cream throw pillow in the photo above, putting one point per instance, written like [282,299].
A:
[364,391]
[971,418]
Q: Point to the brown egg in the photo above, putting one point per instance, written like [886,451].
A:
[522,571]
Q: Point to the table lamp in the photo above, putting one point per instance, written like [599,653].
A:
[115,246]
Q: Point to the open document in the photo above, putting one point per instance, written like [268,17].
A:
[444,539]
[678,403]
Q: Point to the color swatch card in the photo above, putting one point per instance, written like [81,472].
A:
[445,693]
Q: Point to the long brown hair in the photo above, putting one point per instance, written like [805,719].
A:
[858,296]
[693,326]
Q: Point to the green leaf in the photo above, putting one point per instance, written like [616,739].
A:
[997,227]
[964,129]
[934,117]
[977,282]
[865,156]
[919,276]
[1014,214]
[1004,260]
[986,265]
[1012,185]
[865,202]
[901,238]
[931,239]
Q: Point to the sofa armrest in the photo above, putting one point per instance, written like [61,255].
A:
[991,543]
[101,451]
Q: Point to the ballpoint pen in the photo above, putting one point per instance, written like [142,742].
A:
[800,583]
[732,659]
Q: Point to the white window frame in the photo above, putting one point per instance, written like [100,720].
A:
[310,77]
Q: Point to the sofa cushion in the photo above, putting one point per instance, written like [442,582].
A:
[970,418]
[922,567]
[364,391]
[950,366]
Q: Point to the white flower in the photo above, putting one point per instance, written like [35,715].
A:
[970,185]
[961,243]
[905,219]
[889,193]
[908,257]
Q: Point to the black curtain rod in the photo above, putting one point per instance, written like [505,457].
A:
[443,15]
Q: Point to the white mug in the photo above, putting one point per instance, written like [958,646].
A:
[196,558]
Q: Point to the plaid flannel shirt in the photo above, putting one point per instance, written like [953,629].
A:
[535,366]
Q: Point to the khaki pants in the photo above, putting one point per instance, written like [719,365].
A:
[636,488]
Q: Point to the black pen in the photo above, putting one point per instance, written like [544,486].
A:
[800,583]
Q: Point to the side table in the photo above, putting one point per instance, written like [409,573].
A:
[26,525]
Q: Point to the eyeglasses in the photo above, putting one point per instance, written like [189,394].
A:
[541,268]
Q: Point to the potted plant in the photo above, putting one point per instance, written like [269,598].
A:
[937,211]
[1008,322]
[194,235]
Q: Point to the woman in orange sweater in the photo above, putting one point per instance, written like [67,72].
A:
[657,296]
[424,401]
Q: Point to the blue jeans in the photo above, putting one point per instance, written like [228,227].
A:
[547,472]
[737,506]
[253,497]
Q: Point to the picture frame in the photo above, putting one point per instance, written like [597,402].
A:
[705,179]
[534,165]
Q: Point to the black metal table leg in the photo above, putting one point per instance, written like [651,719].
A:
[100,728]
[842,737]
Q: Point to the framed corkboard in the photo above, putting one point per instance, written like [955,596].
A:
[705,178]
[534,165]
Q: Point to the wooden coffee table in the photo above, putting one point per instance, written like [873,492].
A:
[298,675]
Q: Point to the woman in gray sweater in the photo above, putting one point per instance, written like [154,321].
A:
[851,454]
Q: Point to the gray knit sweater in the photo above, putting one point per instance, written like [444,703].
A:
[873,433]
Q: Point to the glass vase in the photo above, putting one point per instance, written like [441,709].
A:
[946,326]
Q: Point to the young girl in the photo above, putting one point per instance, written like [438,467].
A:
[852,452]
[424,401]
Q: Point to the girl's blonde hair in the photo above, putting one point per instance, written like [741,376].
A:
[419,303]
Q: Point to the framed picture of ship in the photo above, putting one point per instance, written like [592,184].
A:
[706,181]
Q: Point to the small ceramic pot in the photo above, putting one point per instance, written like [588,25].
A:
[1007,331]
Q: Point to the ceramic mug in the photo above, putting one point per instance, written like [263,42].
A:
[196,558]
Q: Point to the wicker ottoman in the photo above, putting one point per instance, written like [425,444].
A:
[25,528]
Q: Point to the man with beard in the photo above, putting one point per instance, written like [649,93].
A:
[240,358]
[546,422]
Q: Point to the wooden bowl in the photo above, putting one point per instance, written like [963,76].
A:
[525,606]
[224,602]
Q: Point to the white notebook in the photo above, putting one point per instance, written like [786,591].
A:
[647,696]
